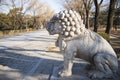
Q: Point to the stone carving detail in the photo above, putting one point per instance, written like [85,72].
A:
[74,39]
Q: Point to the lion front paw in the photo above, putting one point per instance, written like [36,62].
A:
[65,73]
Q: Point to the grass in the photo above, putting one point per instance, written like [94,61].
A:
[105,36]
[14,32]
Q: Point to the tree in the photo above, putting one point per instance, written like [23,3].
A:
[41,13]
[117,17]
[97,9]
[17,11]
[116,20]
[5,22]
[87,6]
[46,15]
[26,13]
[103,16]
[76,5]
[82,7]
[3,2]
[110,16]
[118,4]
[16,18]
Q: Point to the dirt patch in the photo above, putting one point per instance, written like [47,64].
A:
[53,49]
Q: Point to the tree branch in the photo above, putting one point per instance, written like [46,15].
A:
[100,2]
[85,4]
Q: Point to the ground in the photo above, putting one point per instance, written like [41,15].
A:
[26,56]
[115,41]
[33,56]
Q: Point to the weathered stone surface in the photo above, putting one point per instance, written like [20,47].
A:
[86,44]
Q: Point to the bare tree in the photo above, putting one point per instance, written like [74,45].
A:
[87,6]
[18,10]
[81,6]
[33,10]
[3,2]
[97,11]
[37,12]
[118,4]
[110,16]
[46,15]
[41,13]
[76,5]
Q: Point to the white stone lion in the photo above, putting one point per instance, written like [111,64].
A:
[74,39]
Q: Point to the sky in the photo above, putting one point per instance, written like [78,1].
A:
[55,4]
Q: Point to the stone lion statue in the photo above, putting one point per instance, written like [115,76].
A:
[74,39]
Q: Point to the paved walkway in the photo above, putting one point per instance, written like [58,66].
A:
[33,56]
[115,42]
[25,57]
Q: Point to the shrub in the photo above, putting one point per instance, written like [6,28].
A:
[14,32]
[105,36]
[1,34]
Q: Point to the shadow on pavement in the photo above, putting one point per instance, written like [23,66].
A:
[24,63]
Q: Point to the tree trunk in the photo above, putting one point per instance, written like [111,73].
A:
[34,23]
[87,20]
[96,21]
[110,16]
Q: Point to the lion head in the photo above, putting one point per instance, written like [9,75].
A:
[67,23]
[54,26]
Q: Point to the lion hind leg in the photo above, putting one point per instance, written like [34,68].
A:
[105,66]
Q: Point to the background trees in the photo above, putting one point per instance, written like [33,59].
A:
[99,13]
[116,20]
[5,22]
[87,6]
[110,15]
[23,14]
[81,6]
[76,5]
